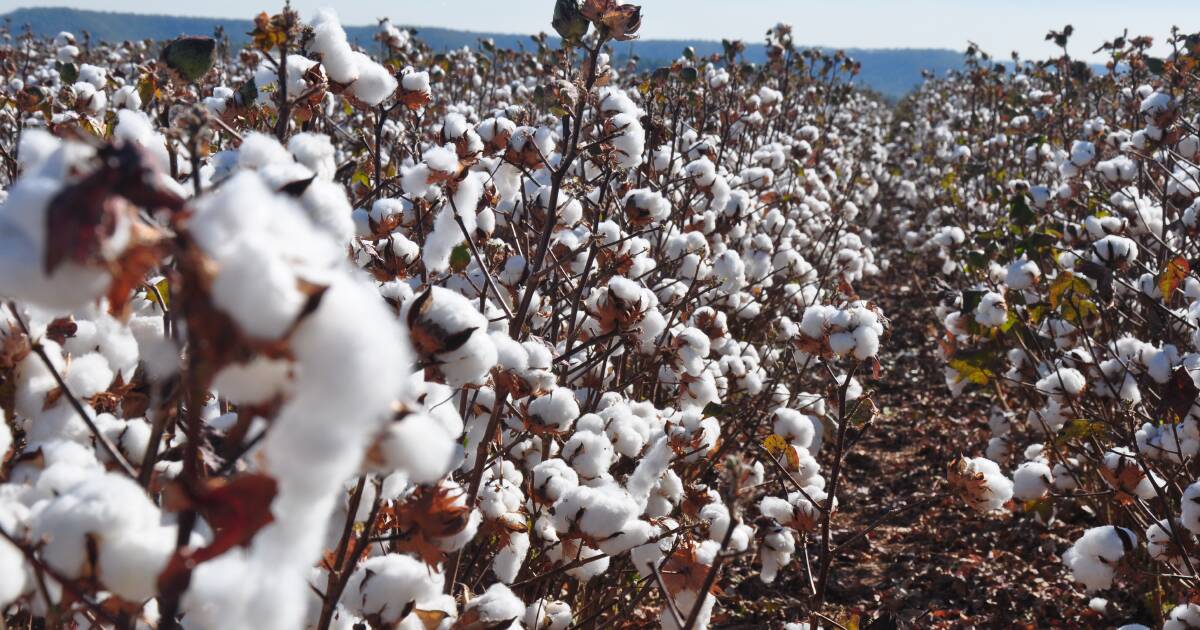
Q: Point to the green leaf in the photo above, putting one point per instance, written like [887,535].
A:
[1010,322]
[976,366]
[1019,211]
[971,300]
[690,75]
[569,22]
[191,56]
[460,257]
[67,71]
[1066,286]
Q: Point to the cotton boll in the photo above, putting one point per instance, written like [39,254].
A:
[495,608]
[374,84]
[330,41]
[1190,508]
[556,410]
[778,545]
[599,513]
[264,308]
[547,615]
[1183,617]
[590,454]
[980,483]
[130,563]
[88,375]
[451,334]
[387,587]
[315,151]
[1031,481]
[797,428]
[552,478]
[1022,274]
[417,445]
[259,150]
[992,310]
[254,382]
[1094,556]
[1062,381]
[511,555]
[106,507]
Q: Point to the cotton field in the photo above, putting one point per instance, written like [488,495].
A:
[320,333]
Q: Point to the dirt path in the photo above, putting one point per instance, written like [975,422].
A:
[929,563]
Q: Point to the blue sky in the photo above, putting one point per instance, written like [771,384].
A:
[999,26]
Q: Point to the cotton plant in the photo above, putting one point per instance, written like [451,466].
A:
[317,334]
[1067,302]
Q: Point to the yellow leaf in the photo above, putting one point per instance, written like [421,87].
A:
[775,444]
[1172,276]
[1067,285]
[793,458]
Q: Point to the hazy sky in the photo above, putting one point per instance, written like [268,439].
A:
[998,25]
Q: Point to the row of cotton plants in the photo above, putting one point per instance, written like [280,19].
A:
[1058,206]
[320,333]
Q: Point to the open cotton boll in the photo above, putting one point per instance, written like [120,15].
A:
[15,577]
[795,427]
[1022,274]
[992,310]
[266,79]
[374,84]
[556,410]
[1095,555]
[416,81]
[315,151]
[417,445]
[104,508]
[1062,381]
[778,545]
[1190,508]
[497,607]
[590,454]
[88,375]
[266,307]
[1031,480]
[545,614]
[598,512]
[507,563]
[130,563]
[1183,617]
[980,483]
[259,150]
[446,317]
[552,478]
[6,437]
[136,128]
[389,587]
[329,40]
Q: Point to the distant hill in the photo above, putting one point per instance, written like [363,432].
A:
[892,72]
